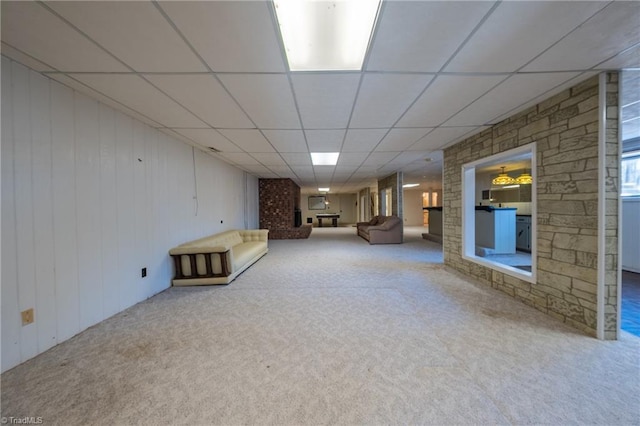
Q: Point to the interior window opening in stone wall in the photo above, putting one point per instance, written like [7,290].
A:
[499,213]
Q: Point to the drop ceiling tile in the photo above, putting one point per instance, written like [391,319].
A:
[205,97]
[510,94]
[287,140]
[137,34]
[341,177]
[137,94]
[82,88]
[366,169]
[586,47]
[325,100]
[445,97]
[51,40]
[260,170]
[241,158]
[250,140]
[428,31]
[345,169]
[379,158]
[350,159]
[506,42]
[408,157]
[267,98]
[362,140]
[26,60]
[383,98]
[440,137]
[269,159]
[280,169]
[303,171]
[626,60]
[209,138]
[231,36]
[297,158]
[323,172]
[324,140]
[401,139]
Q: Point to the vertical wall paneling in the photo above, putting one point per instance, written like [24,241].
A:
[11,323]
[139,203]
[24,207]
[126,209]
[81,215]
[88,209]
[40,123]
[185,172]
[251,209]
[201,183]
[108,210]
[64,211]
[153,256]
[162,200]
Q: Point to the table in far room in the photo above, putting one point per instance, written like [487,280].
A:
[333,217]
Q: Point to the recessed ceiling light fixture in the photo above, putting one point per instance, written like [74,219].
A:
[324,158]
[326,35]
[410,185]
[323,189]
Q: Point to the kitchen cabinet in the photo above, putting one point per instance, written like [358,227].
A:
[521,194]
[496,230]
[435,224]
[523,232]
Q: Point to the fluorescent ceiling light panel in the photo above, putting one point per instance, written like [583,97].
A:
[410,185]
[326,35]
[323,189]
[324,158]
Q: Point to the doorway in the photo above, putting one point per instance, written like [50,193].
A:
[630,194]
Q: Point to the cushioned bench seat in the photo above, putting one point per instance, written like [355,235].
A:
[219,258]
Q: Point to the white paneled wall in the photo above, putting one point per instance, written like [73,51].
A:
[90,196]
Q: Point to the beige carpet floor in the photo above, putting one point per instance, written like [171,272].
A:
[331,330]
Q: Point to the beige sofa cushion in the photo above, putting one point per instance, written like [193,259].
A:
[243,253]
[240,248]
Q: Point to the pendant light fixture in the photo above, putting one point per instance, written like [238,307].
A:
[503,179]
[525,178]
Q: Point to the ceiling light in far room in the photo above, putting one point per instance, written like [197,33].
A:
[326,35]
[410,185]
[503,179]
[524,179]
[323,189]
[324,158]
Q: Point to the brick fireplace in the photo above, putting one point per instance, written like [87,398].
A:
[280,209]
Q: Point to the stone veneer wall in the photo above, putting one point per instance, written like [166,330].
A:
[278,200]
[565,129]
[612,198]
[394,182]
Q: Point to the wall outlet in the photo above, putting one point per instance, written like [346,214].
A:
[27,316]
[143,273]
